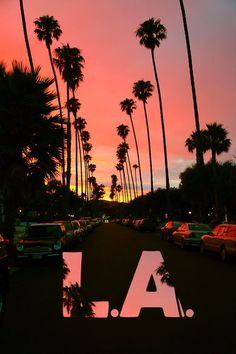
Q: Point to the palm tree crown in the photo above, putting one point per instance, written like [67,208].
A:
[142,90]
[128,105]
[217,139]
[47,27]
[151,32]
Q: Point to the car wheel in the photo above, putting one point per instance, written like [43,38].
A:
[202,248]
[223,254]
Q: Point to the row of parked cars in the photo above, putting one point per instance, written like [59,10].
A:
[145,224]
[38,241]
[220,240]
[48,240]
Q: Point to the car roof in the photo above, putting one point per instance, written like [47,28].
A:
[45,224]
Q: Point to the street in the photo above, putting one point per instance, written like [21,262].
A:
[110,254]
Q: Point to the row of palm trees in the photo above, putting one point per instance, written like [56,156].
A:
[151,32]
[69,61]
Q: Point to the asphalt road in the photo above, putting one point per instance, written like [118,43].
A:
[34,324]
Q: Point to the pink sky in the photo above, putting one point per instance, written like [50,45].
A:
[114,60]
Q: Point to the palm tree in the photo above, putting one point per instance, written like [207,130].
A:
[47,29]
[81,124]
[151,33]
[123,131]
[142,90]
[197,141]
[92,168]
[30,142]
[217,140]
[69,61]
[119,167]
[85,136]
[121,155]
[128,106]
[73,106]
[200,161]
[26,36]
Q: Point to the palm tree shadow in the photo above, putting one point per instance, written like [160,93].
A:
[76,302]
[166,279]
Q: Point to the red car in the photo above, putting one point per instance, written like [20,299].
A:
[221,240]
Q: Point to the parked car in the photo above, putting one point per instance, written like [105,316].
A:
[221,240]
[3,274]
[146,224]
[168,229]
[71,232]
[78,230]
[189,234]
[45,240]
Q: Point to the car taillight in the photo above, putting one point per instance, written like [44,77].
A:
[57,246]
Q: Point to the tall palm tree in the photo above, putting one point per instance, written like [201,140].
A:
[73,106]
[119,167]
[200,161]
[26,36]
[123,131]
[81,124]
[123,150]
[47,29]
[142,90]
[151,32]
[69,61]
[128,106]
[197,141]
[217,140]
[121,156]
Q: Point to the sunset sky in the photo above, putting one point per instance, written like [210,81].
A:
[114,60]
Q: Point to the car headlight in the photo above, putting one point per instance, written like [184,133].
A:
[20,247]
[57,246]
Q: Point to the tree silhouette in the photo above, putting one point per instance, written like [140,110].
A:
[151,32]
[47,29]
[128,106]
[76,303]
[26,36]
[200,161]
[142,90]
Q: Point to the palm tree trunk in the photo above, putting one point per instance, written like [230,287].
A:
[76,159]
[137,149]
[131,175]
[162,123]
[149,146]
[26,36]
[122,185]
[136,184]
[61,115]
[125,186]
[197,123]
[81,163]
[68,174]
[129,185]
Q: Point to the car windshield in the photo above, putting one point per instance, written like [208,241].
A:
[199,227]
[44,231]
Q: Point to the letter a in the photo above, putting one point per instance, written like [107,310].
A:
[138,297]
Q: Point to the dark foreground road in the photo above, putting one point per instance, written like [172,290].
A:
[34,322]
